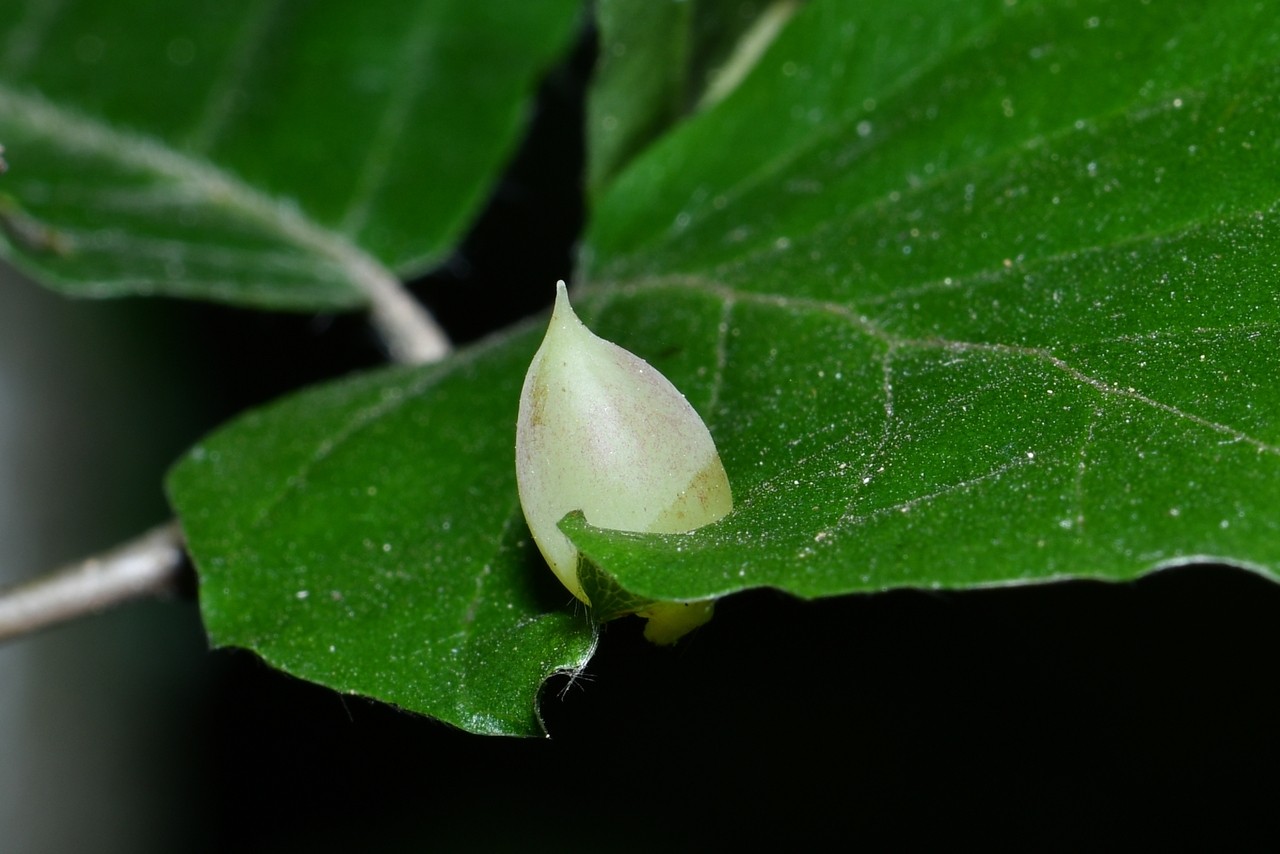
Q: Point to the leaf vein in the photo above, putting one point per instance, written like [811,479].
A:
[1012,464]
[721,357]
[220,100]
[838,128]
[864,324]
[27,36]
[411,79]
[82,135]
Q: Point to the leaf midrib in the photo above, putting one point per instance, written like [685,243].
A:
[205,180]
[728,295]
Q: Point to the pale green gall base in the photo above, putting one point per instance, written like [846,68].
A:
[670,621]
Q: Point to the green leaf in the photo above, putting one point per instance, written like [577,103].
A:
[969,294]
[366,535]
[661,60]
[257,152]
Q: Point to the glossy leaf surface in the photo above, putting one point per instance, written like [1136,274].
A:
[977,297]
[367,536]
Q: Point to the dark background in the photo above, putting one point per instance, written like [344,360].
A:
[1060,717]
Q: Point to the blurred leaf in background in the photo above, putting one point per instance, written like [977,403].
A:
[256,152]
